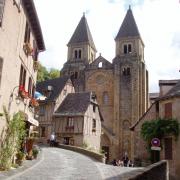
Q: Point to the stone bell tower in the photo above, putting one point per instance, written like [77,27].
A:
[81,52]
[130,83]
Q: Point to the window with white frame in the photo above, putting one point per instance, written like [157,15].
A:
[70,122]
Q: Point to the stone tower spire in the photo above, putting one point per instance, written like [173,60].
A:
[81,52]
[81,44]
[129,27]
[128,39]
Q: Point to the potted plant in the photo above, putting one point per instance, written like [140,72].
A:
[20,157]
[35,153]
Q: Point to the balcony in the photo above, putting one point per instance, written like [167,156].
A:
[70,128]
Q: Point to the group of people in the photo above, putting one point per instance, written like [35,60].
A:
[124,162]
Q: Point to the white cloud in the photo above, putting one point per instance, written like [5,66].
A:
[157,20]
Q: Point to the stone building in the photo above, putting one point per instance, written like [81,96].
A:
[21,41]
[55,90]
[77,121]
[121,86]
[166,107]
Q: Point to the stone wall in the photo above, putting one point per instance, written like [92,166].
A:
[157,171]
[97,156]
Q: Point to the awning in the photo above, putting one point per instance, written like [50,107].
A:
[33,121]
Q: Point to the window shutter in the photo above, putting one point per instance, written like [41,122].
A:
[168,148]
[2,3]
[168,110]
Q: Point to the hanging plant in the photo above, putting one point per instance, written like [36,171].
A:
[159,128]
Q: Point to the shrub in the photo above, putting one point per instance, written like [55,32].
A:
[12,139]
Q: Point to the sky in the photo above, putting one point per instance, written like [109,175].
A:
[158,22]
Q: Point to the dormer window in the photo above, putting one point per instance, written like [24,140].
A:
[127,48]
[50,88]
[77,54]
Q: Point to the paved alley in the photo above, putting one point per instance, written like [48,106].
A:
[57,164]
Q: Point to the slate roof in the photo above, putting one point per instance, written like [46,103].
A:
[32,16]
[174,91]
[82,34]
[128,27]
[74,104]
[57,84]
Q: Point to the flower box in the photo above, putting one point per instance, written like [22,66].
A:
[94,130]
[23,93]
[69,128]
[28,49]
[36,65]
[34,102]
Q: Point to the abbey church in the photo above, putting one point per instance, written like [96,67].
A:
[120,84]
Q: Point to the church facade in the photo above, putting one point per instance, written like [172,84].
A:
[121,86]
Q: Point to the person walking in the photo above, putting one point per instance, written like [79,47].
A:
[52,140]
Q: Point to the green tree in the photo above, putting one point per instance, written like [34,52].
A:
[54,73]
[44,74]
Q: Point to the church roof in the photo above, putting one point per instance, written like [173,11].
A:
[82,34]
[128,27]
[104,62]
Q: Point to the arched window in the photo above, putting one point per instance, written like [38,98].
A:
[75,75]
[105,98]
[79,54]
[75,54]
[100,65]
[94,125]
[126,71]
[127,48]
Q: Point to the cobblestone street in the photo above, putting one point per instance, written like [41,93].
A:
[62,164]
